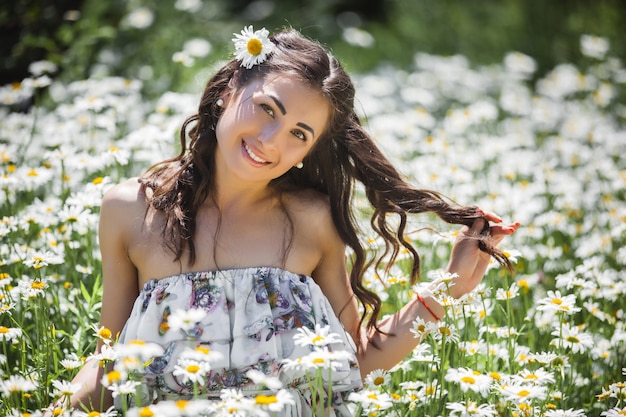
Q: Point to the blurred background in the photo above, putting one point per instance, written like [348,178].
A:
[168,44]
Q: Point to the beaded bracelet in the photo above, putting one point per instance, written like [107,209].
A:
[432,313]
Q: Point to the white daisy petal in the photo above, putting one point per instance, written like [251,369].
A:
[252,47]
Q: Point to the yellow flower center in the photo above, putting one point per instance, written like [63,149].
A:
[572,339]
[192,369]
[94,414]
[317,338]
[468,379]
[254,46]
[104,333]
[146,412]
[4,329]
[445,331]
[265,399]
[38,285]
[557,301]
[181,404]
[318,360]
[98,180]
[114,376]
[524,393]
[379,380]
[204,350]
[57,412]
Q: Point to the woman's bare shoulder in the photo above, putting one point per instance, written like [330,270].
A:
[124,201]
[125,194]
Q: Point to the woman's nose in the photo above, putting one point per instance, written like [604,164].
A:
[269,134]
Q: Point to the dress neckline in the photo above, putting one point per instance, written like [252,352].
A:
[271,270]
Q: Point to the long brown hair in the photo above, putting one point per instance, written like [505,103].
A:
[344,153]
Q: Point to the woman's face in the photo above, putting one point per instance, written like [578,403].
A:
[268,126]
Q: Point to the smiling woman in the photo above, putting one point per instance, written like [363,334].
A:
[249,227]
[272,124]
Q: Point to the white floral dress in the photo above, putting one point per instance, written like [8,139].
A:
[252,316]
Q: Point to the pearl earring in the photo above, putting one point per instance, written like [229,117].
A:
[299,165]
[219,102]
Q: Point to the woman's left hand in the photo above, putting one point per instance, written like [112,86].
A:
[467,260]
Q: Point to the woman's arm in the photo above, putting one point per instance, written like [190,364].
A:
[119,208]
[379,350]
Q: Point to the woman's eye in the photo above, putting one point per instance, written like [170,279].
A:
[299,134]
[267,109]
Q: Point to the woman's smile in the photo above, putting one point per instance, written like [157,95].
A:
[251,156]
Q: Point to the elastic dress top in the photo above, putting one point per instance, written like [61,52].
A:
[251,317]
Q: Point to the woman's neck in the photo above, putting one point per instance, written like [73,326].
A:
[232,194]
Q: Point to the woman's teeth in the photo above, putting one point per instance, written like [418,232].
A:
[253,156]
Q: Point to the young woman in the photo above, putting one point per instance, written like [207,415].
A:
[251,222]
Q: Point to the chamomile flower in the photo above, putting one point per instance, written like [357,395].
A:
[522,393]
[275,402]
[185,320]
[9,333]
[71,362]
[110,412]
[202,353]
[16,383]
[31,288]
[377,378]
[123,388]
[252,47]
[614,412]
[234,403]
[470,408]
[537,377]
[573,338]
[140,349]
[469,379]
[565,413]
[322,358]
[422,327]
[102,333]
[558,303]
[113,377]
[191,371]
[321,336]
[512,292]
[371,399]
[65,389]
[260,378]
[178,408]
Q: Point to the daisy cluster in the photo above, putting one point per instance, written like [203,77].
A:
[545,149]
[127,375]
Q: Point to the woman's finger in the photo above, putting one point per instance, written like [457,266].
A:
[492,217]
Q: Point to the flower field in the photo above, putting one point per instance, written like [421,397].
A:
[544,149]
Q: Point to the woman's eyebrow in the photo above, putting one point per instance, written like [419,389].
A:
[306,127]
[278,104]
[281,107]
